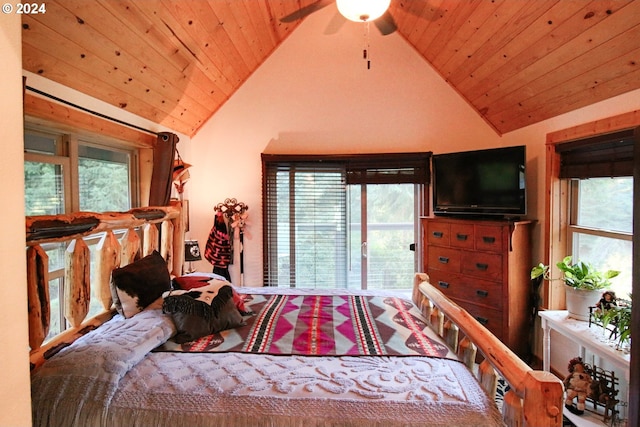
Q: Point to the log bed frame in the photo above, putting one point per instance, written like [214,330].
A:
[144,229]
[535,398]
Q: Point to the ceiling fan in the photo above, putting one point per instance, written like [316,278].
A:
[376,11]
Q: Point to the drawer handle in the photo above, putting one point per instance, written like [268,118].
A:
[482,293]
[461,237]
[443,259]
[488,239]
[442,284]
[482,320]
[438,234]
[482,267]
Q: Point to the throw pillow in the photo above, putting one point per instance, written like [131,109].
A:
[135,286]
[202,311]
[195,281]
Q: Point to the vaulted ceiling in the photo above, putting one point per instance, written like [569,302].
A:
[175,62]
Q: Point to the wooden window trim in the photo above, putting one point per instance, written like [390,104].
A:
[556,214]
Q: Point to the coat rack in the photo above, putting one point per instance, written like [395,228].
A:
[236,213]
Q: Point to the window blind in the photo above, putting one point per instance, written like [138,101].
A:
[608,155]
[305,211]
[305,226]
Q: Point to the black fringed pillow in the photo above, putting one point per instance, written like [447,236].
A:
[137,285]
[202,311]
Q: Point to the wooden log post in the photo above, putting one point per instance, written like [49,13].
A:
[150,235]
[77,292]
[543,399]
[38,295]
[166,243]
[451,332]
[130,247]
[467,352]
[108,253]
[487,377]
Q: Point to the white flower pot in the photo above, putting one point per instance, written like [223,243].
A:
[579,301]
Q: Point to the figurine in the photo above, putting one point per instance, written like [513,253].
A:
[607,301]
[577,384]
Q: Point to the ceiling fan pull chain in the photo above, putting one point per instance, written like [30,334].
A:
[367,46]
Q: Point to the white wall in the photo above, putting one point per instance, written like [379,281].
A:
[15,394]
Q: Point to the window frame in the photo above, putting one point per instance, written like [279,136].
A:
[559,225]
[67,156]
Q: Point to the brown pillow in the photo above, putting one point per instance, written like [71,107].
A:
[135,286]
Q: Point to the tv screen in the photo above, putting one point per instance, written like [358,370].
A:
[480,182]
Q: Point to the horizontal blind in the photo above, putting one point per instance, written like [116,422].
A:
[608,155]
[305,225]
[392,168]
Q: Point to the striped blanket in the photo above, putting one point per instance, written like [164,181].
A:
[342,325]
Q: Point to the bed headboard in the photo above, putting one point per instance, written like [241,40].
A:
[535,398]
[142,231]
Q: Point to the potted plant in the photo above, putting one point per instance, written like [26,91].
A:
[584,284]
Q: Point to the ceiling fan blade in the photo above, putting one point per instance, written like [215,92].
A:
[336,23]
[306,11]
[386,24]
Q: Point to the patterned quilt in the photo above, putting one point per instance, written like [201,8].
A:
[324,325]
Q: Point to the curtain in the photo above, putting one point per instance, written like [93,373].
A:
[162,176]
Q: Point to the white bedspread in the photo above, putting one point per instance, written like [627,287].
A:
[237,389]
[110,378]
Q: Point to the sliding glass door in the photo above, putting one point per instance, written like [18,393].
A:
[342,222]
[382,231]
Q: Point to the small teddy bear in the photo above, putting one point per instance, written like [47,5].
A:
[577,384]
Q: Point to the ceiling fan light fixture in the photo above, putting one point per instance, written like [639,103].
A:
[362,10]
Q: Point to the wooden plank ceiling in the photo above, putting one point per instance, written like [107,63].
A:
[175,62]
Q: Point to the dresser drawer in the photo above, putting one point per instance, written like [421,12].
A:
[489,238]
[438,233]
[445,259]
[462,236]
[490,319]
[482,265]
[467,288]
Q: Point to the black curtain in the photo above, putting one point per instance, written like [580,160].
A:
[163,155]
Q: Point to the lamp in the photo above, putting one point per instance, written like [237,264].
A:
[191,253]
[362,10]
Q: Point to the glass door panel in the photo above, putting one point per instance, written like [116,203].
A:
[381,231]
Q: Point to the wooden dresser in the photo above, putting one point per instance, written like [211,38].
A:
[484,266]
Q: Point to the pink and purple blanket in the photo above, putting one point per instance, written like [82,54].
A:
[341,325]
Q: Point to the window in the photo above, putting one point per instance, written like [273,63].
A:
[601,226]
[600,229]
[66,173]
[342,221]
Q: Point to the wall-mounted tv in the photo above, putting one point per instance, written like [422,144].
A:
[487,182]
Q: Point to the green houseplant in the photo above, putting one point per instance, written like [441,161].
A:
[583,281]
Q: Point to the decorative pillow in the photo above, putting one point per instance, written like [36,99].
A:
[189,282]
[202,311]
[193,281]
[135,286]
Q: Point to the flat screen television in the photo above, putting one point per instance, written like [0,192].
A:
[487,182]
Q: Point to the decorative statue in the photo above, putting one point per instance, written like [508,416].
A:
[577,384]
